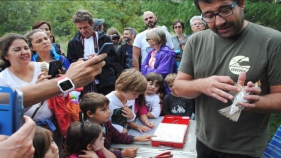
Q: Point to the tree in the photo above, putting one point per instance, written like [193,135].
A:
[170,10]
[120,14]
[18,16]
[264,13]
[15,17]
[60,13]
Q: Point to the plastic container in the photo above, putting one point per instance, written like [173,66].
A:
[171,119]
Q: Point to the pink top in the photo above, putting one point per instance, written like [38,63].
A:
[73,156]
[152,59]
[99,153]
[140,110]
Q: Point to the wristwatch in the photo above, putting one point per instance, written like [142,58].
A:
[65,84]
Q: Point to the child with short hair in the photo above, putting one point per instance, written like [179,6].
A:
[175,105]
[44,144]
[154,82]
[85,139]
[128,86]
[95,109]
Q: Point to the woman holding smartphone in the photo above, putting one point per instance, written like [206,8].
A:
[41,47]
[19,72]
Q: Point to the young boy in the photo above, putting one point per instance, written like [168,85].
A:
[174,105]
[128,86]
[154,82]
[95,109]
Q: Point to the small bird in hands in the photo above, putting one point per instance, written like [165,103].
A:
[234,110]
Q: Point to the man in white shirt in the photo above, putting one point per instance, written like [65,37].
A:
[86,44]
[141,47]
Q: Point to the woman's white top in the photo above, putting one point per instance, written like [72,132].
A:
[7,78]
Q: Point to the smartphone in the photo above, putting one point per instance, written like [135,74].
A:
[106,48]
[11,110]
[54,68]
[19,110]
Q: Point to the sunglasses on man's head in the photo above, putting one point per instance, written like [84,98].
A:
[148,18]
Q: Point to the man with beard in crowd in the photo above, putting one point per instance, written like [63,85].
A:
[140,46]
[125,51]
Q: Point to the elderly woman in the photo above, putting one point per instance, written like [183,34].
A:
[161,59]
[46,27]
[41,46]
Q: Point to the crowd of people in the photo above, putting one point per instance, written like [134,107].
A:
[147,75]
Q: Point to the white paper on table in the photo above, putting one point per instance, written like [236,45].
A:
[167,132]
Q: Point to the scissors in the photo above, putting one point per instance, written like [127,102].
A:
[166,154]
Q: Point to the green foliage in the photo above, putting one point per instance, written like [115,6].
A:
[275,122]
[264,13]
[15,17]
[170,10]
[19,16]
[119,14]
[59,13]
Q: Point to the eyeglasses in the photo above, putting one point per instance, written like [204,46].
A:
[148,39]
[148,18]
[223,12]
[175,27]
[199,23]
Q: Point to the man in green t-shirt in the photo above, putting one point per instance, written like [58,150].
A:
[232,50]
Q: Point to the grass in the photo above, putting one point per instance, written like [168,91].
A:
[275,122]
